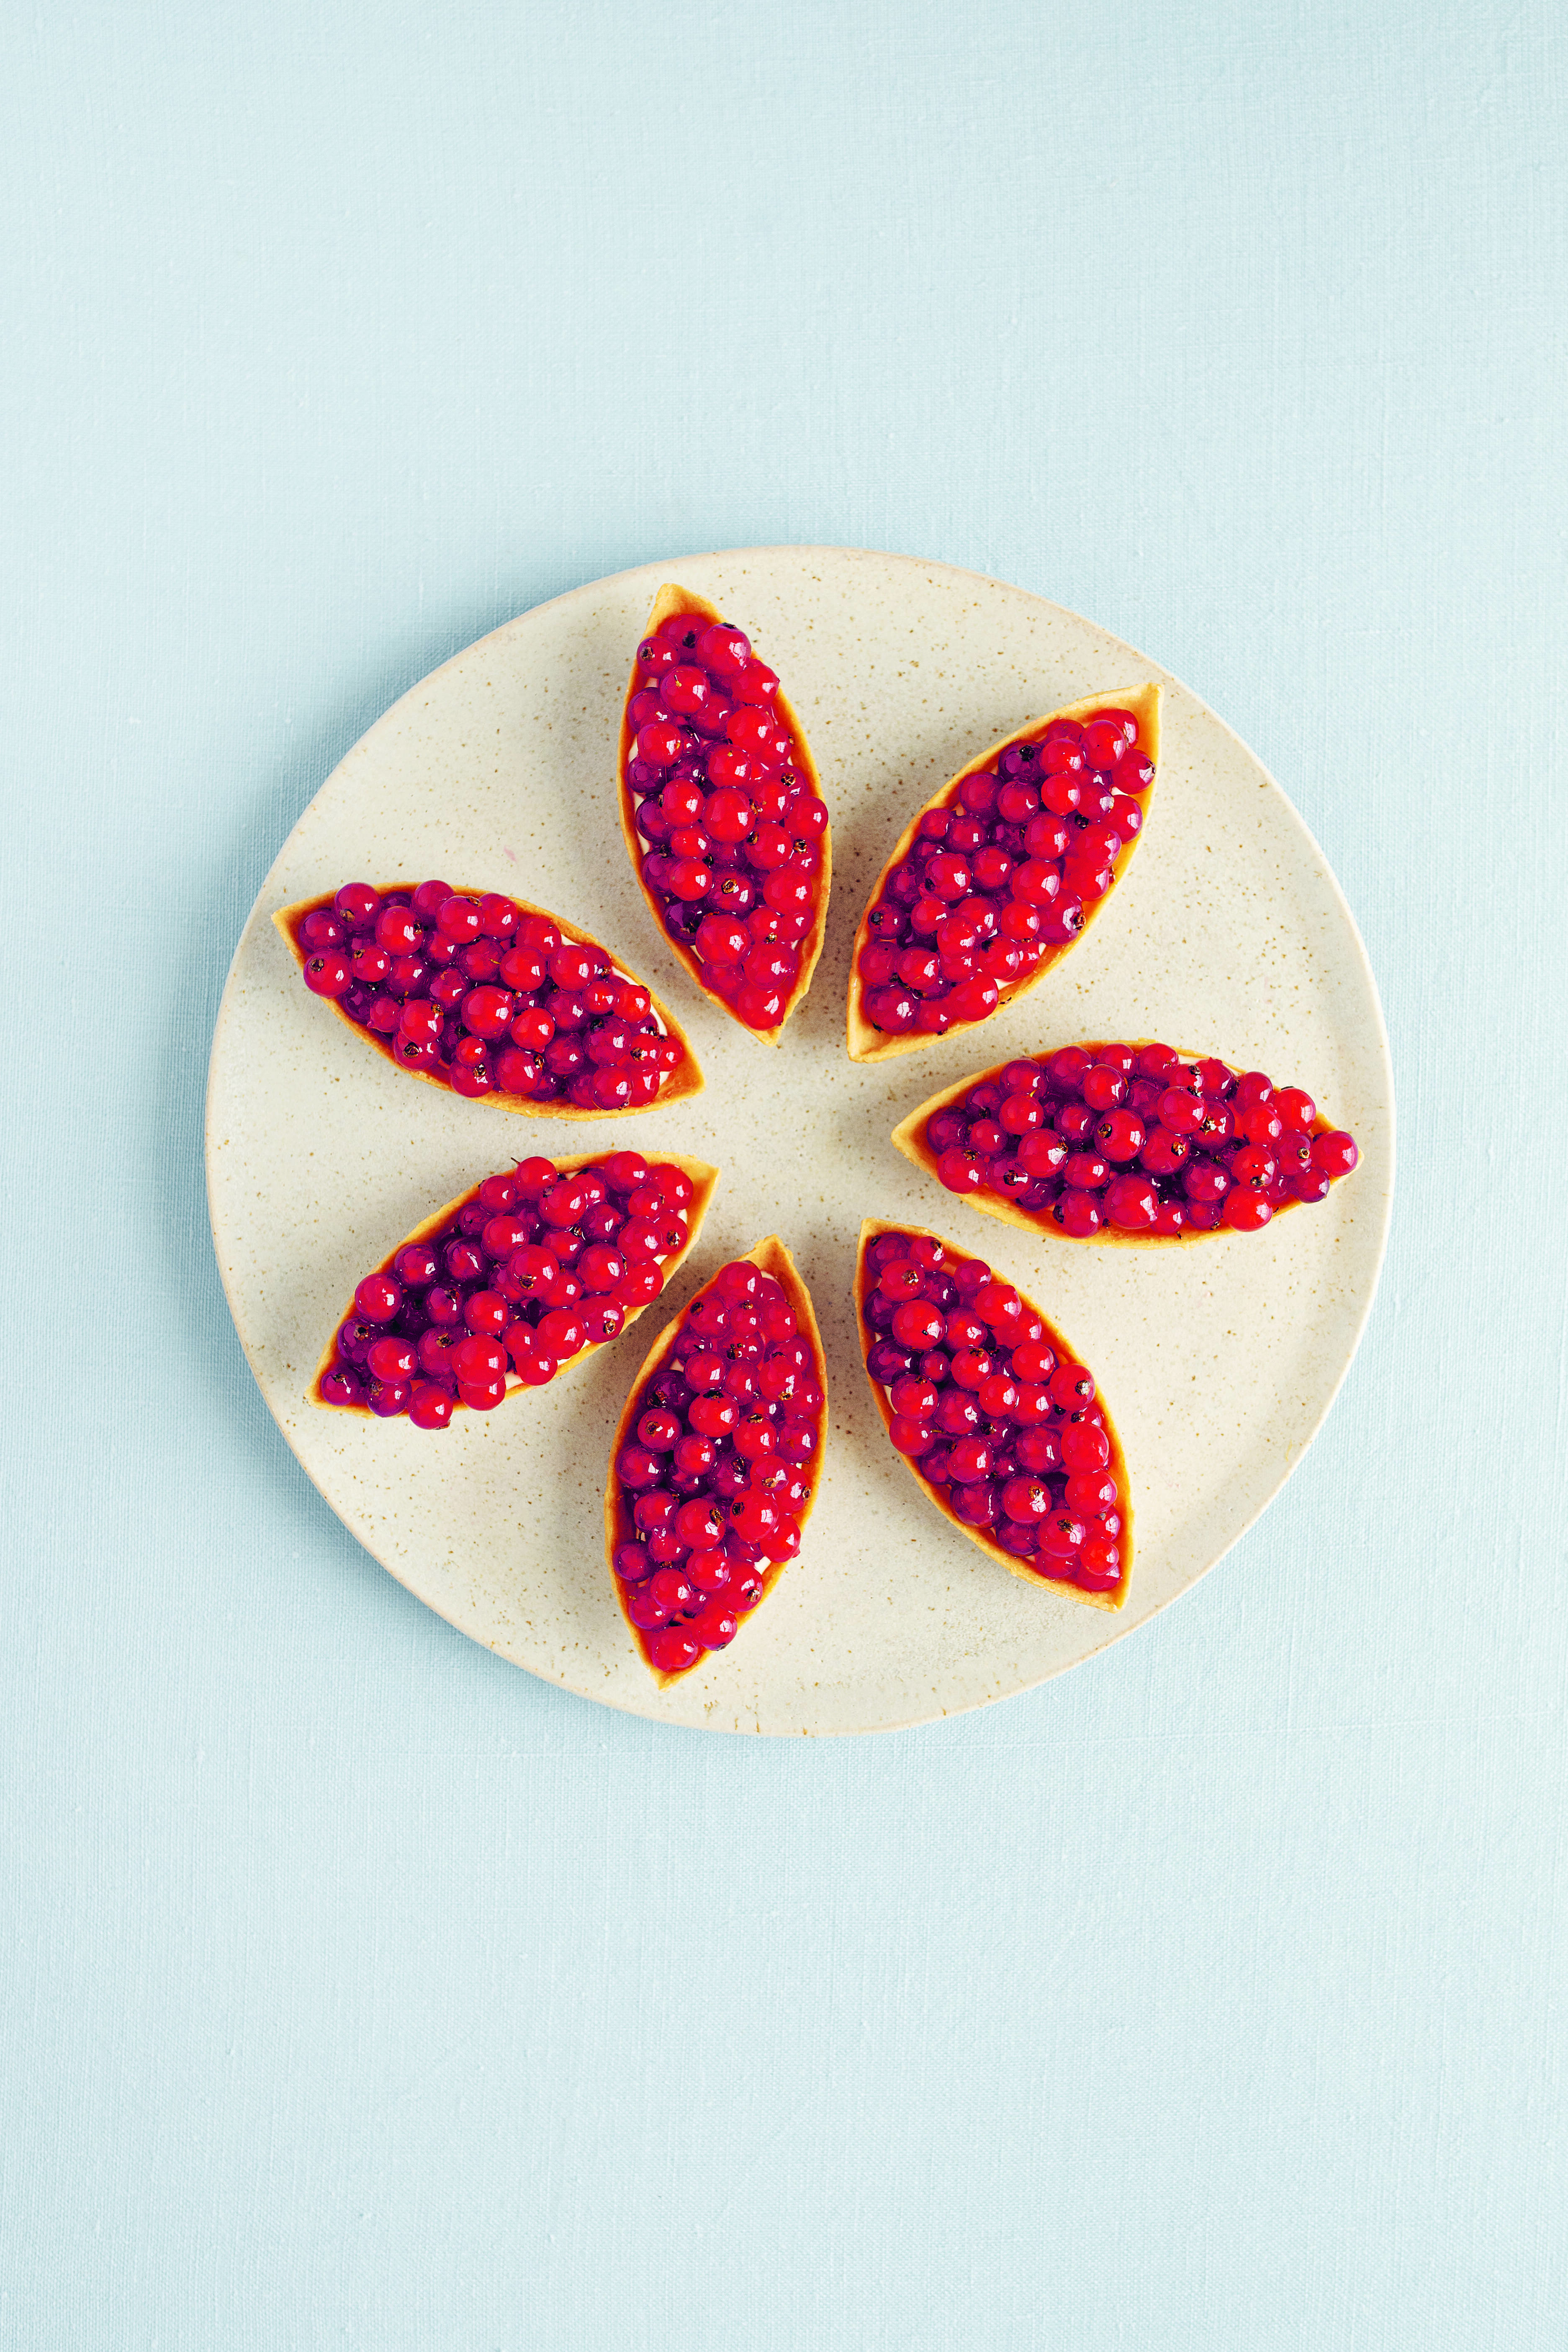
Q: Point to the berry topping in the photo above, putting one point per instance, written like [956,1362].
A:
[997,1419]
[716,1460]
[491,999]
[999,875]
[505,1288]
[723,814]
[1127,1143]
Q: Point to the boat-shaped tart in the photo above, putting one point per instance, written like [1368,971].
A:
[490,998]
[1001,874]
[1127,1143]
[723,815]
[999,1423]
[512,1284]
[715,1460]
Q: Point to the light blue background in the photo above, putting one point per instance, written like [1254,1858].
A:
[362,1991]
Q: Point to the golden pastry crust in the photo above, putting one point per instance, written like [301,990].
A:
[703,1179]
[1117,1464]
[669,601]
[868,1045]
[769,1257]
[684,1081]
[909,1137]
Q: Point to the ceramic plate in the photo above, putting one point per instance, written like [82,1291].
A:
[1229,935]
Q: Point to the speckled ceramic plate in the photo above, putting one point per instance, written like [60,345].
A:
[1229,933]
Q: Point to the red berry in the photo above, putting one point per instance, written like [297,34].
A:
[975,999]
[561,1333]
[1246,1211]
[1120,1136]
[1086,1171]
[917,1324]
[1180,1110]
[458,919]
[1085,1446]
[358,905]
[429,1407]
[398,930]
[723,650]
[323,928]
[660,744]
[377,1298]
[1335,1154]
[1259,1122]
[714,1627]
[390,1360]
[1204,1180]
[485,1313]
[1132,1204]
[1078,1214]
[1253,1165]
[1071,1387]
[753,1517]
[753,682]
[685,690]
[478,1357]
[369,964]
[1103,743]
[328,973]
[760,1003]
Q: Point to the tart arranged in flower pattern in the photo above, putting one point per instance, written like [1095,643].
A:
[1002,873]
[715,1460]
[490,998]
[1127,1142]
[723,815]
[995,1417]
[513,1283]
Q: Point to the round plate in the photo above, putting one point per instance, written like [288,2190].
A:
[1229,935]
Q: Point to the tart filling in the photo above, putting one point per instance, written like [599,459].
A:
[492,998]
[715,1460]
[995,1416]
[513,1283]
[1002,873]
[1127,1142]
[723,815]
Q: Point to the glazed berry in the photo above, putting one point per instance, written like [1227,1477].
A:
[430,1406]
[491,999]
[327,973]
[377,1298]
[995,879]
[708,1490]
[723,815]
[1335,1154]
[1010,1438]
[1127,1142]
[486,1295]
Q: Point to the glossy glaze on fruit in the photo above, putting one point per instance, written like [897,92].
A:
[490,998]
[999,875]
[1127,1143]
[511,1285]
[722,813]
[993,1415]
[715,1460]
